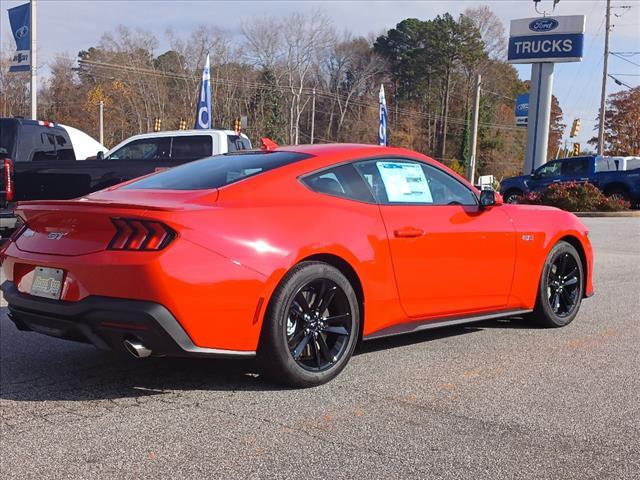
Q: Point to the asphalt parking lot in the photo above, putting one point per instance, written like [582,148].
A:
[500,399]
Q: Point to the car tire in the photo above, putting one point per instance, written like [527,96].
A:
[561,287]
[311,326]
[511,196]
[619,193]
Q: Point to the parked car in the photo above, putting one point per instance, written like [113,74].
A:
[624,184]
[290,253]
[40,160]
[40,143]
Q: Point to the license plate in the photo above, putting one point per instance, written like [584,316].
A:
[47,282]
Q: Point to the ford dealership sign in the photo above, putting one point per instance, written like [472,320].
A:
[547,39]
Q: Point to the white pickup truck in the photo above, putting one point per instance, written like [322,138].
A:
[43,166]
[178,145]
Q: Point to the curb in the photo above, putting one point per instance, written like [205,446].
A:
[630,213]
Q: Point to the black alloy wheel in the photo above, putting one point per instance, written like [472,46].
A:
[311,326]
[561,287]
[318,325]
[563,284]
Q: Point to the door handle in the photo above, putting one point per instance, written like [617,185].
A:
[408,232]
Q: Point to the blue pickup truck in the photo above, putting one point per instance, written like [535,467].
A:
[615,176]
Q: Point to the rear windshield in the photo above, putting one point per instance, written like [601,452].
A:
[236,143]
[8,129]
[217,171]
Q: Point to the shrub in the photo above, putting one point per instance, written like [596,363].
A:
[575,197]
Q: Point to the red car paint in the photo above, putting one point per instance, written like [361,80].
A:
[234,245]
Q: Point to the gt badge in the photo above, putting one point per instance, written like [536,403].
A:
[56,235]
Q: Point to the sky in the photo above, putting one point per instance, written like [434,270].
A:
[68,26]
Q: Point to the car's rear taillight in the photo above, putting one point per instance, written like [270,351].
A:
[7,173]
[140,235]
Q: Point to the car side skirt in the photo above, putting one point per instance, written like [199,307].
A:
[420,325]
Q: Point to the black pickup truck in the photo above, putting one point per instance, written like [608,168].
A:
[38,161]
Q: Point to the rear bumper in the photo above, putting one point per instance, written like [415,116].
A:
[106,322]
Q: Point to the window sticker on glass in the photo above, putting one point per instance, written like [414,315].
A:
[405,182]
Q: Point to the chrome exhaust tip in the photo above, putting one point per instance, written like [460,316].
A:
[137,349]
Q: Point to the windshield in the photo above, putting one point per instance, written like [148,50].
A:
[217,171]
[8,129]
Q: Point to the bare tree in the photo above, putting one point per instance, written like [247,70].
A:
[350,71]
[14,91]
[491,30]
[293,48]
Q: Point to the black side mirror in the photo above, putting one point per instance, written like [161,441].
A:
[487,198]
[100,155]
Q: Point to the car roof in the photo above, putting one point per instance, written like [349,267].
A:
[320,149]
[330,153]
[28,121]
[183,133]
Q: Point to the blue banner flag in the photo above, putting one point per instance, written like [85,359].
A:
[20,20]
[382,129]
[203,120]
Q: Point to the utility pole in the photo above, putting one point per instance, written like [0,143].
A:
[313,113]
[474,131]
[34,65]
[101,122]
[605,73]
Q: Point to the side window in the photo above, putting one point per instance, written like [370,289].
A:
[342,181]
[551,169]
[406,181]
[447,190]
[576,167]
[64,149]
[191,147]
[144,149]
[45,149]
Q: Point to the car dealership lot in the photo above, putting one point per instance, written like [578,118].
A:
[496,399]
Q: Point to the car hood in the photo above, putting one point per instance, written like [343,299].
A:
[520,180]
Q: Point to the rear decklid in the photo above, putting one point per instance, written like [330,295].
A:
[86,225]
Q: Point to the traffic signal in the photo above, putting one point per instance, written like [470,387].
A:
[576,149]
[575,128]
[157,125]
[237,125]
[183,124]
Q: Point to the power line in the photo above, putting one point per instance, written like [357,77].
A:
[498,95]
[619,82]
[621,57]
[304,90]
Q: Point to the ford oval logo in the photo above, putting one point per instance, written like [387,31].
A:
[543,25]
[22,32]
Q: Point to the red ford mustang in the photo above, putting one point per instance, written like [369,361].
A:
[291,253]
